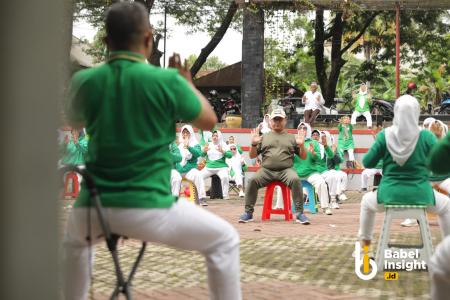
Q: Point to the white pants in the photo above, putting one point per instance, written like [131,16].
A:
[366,174]
[351,154]
[331,178]
[321,188]
[366,115]
[175,182]
[369,207]
[196,177]
[223,175]
[182,226]
[439,268]
[238,178]
[342,182]
[445,185]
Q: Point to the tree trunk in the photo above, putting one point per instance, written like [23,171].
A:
[336,59]
[319,40]
[252,81]
[155,56]
[328,83]
[206,51]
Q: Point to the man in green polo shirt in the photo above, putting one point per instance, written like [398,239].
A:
[129,109]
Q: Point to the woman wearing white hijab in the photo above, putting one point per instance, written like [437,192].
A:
[216,152]
[236,164]
[332,178]
[264,126]
[190,151]
[362,105]
[308,170]
[404,148]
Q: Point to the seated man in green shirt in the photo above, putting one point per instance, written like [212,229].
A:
[277,149]
[130,110]
[404,149]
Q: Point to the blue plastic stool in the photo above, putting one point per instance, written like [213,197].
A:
[311,206]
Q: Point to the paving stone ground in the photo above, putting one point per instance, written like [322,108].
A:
[279,260]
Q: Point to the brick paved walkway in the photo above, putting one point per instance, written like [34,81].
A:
[279,260]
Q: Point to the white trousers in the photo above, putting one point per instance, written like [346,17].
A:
[196,177]
[445,185]
[369,207]
[439,268]
[366,115]
[238,178]
[342,182]
[351,154]
[321,188]
[175,182]
[331,178]
[366,174]
[183,226]
[223,175]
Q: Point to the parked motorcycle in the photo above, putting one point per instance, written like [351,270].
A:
[223,107]
[444,109]
[383,109]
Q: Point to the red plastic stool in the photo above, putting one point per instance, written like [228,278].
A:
[75,185]
[268,210]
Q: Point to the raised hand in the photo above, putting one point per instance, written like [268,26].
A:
[219,148]
[334,147]
[256,138]
[206,148]
[311,149]
[300,138]
[175,62]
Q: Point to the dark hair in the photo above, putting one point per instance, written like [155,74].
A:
[125,22]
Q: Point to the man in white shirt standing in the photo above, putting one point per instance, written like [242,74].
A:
[313,101]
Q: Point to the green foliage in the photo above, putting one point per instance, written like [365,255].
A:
[213,63]
[286,59]
[98,48]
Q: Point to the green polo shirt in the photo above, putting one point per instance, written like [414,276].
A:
[439,160]
[308,166]
[345,138]
[407,184]
[129,109]
[74,154]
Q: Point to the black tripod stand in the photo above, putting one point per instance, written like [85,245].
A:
[122,285]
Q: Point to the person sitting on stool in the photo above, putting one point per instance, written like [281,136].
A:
[277,149]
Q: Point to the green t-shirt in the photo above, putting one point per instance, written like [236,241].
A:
[440,157]
[308,166]
[407,184]
[176,155]
[321,165]
[345,138]
[130,108]
[334,162]
[365,100]
[74,154]
[196,152]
